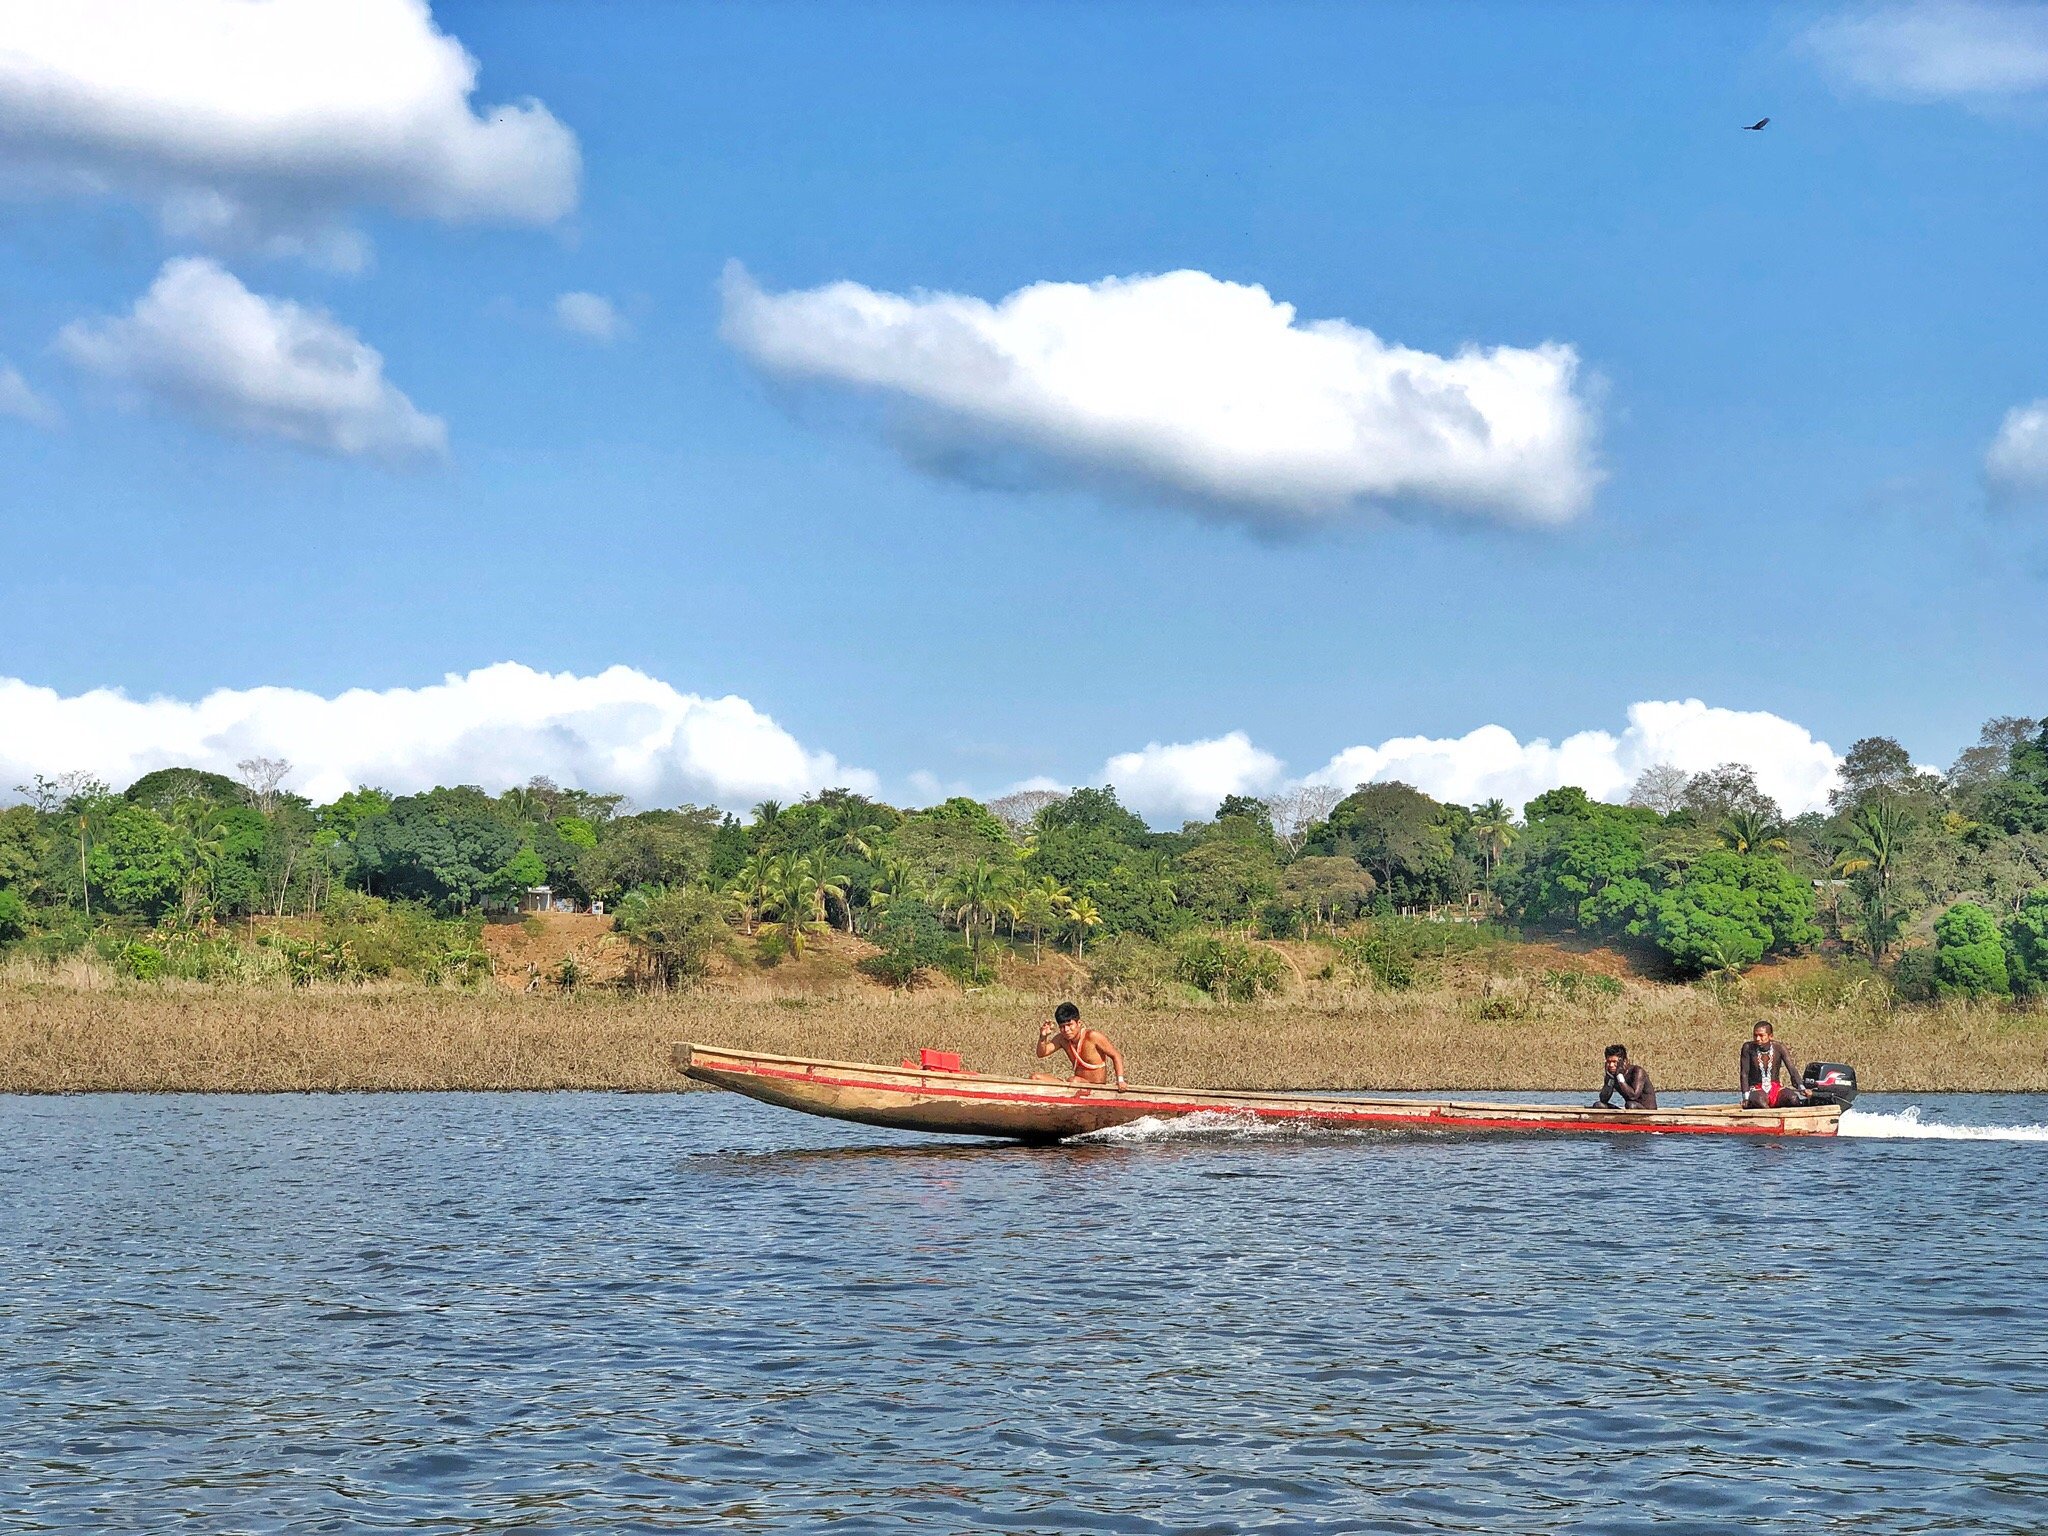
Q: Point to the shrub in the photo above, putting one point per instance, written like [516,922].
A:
[909,941]
[1229,970]
[1382,955]
[145,962]
[1130,969]
[2026,945]
[675,931]
[14,919]
[1913,975]
[1576,986]
[1969,954]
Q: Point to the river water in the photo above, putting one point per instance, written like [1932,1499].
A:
[593,1313]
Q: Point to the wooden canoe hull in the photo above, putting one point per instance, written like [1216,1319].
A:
[1019,1109]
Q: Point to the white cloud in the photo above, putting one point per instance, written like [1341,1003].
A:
[21,402]
[1936,50]
[263,123]
[203,345]
[1185,388]
[1190,778]
[590,316]
[620,730]
[1791,766]
[1167,784]
[2017,463]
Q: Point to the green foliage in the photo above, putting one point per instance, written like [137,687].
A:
[1128,968]
[15,919]
[576,832]
[2026,945]
[143,961]
[1326,887]
[1223,879]
[362,938]
[937,845]
[675,931]
[654,848]
[910,941]
[1580,986]
[1407,840]
[1969,954]
[1095,811]
[1727,910]
[136,863]
[1583,864]
[168,787]
[1229,970]
[448,847]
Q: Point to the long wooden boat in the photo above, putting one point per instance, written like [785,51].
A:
[960,1103]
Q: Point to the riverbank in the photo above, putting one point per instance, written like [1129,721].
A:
[170,1038]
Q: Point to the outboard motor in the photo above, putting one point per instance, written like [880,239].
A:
[1829,1082]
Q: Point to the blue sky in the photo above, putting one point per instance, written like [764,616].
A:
[1796,346]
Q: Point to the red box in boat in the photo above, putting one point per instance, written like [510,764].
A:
[939,1061]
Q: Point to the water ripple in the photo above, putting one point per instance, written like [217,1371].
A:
[580,1313]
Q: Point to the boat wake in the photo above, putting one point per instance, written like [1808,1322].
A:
[1906,1125]
[1208,1127]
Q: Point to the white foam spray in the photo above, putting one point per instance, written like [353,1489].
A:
[1906,1125]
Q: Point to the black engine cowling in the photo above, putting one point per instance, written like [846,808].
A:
[1829,1082]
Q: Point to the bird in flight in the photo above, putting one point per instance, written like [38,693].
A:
[1758,126]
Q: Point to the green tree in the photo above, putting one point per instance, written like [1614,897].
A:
[1224,880]
[1868,852]
[1728,910]
[2026,944]
[136,864]
[1326,886]
[14,916]
[675,932]
[797,892]
[447,847]
[909,941]
[1408,841]
[1582,863]
[979,894]
[1082,918]
[1969,954]
[1494,831]
[1749,830]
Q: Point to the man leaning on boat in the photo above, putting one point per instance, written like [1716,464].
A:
[1089,1050]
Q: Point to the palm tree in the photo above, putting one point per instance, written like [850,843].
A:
[202,839]
[978,894]
[894,881]
[1081,916]
[1494,830]
[1752,831]
[1039,907]
[753,885]
[797,890]
[1869,846]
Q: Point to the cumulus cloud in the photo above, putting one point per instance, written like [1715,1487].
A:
[1190,778]
[1936,50]
[204,346]
[1169,783]
[2017,463]
[1188,389]
[590,316]
[21,402]
[265,122]
[620,730]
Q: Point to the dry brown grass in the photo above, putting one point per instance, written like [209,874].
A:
[64,1033]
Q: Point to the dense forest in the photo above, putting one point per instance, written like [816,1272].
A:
[1936,881]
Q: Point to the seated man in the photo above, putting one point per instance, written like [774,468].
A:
[1626,1080]
[1089,1050]
[1758,1066]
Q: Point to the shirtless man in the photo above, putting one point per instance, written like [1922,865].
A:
[1757,1067]
[1628,1080]
[1089,1050]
